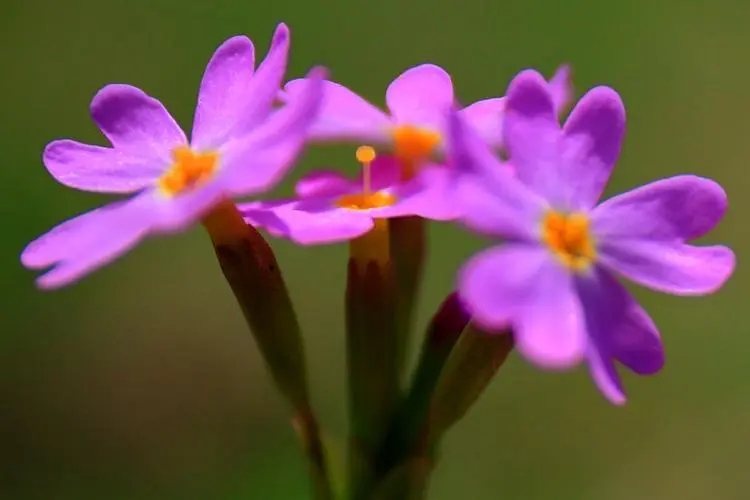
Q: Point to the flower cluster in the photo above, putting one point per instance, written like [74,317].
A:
[553,281]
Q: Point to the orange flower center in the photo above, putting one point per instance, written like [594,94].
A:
[367,198]
[189,170]
[413,145]
[569,238]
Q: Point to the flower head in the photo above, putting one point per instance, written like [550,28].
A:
[240,145]
[555,279]
[331,208]
[415,122]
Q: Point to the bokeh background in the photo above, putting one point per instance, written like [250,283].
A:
[141,382]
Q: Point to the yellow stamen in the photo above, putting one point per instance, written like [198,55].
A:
[365,155]
[373,246]
[366,199]
[189,170]
[569,238]
[413,145]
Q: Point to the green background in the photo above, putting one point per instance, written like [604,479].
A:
[141,381]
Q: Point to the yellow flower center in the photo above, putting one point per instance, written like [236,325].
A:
[366,199]
[413,145]
[189,170]
[569,238]
[373,246]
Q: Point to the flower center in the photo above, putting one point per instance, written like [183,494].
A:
[189,170]
[366,199]
[412,145]
[569,238]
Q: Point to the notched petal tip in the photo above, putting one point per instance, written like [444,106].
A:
[118,91]
[135,122]
[427,70]
[419,95]
[318,73]
[723,262]
[616,398]
[561,87]
[709,203]
[52,281]
[600,113]
[236,43]
[604,100]
[30,258]
[604,374]
[564,72]
[528,94]
[281,35]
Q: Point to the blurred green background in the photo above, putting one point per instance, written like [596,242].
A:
[141,382]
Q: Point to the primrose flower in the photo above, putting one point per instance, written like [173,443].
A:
[332,208]
[415,122]
[240,145]
[554,281]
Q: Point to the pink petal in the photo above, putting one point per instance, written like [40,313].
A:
[635,341]
[323,183]
[309,222]
[680,208]
[259,161]
[420,96]
[618,328]
[223,88]
[83,244]
[344,115]
[531,133]
[561,88]
[177,214]
[98,169]
[428,195]
[593,134]
[522,285]
[257,101]
[604,374]
[486,118]
[491,200]
[136,124]
[670,267]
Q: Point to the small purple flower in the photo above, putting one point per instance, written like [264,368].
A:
[415,122]
[240,145]
[554,280]
[331,208]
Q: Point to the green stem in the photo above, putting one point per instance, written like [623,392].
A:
[408,236]
[370,306]
[250,267]
[407,435]
[471,366]
[453,376]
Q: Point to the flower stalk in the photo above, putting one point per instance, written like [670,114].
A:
[406,439]
[470,367]
[552,273]
[370,306]
[408,246]
[250,267]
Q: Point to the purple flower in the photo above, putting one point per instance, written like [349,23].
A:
[415,122]
[239,146]
[331,208]
[554,280]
